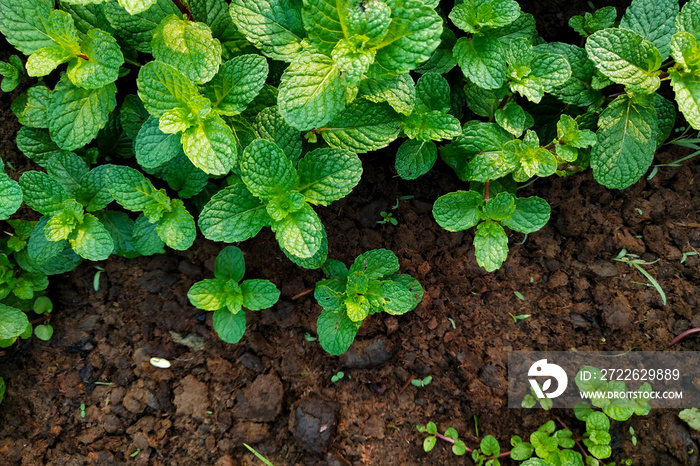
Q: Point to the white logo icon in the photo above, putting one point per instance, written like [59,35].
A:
[542,369]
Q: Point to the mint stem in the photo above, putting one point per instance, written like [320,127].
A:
[183,9]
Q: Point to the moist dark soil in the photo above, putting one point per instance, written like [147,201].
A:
[273,390]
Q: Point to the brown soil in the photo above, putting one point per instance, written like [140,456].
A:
[274,391]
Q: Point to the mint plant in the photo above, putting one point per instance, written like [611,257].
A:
[369,286]
[227,295]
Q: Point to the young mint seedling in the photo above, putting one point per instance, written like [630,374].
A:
[227,295]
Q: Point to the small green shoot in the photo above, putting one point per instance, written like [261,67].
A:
[517,319]
[422,383]
[96,279]
[634,261]
[452,322]
[258,455]
[337,377]
[639,211]
[688,254]
[476,426]
[402,198]
[108,384]
[634,438]
[82,410]
[451,436]
[519,295]
[309,337]
[135,454]
[387,218]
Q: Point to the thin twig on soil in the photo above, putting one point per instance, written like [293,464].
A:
[301,294]
[683,335]
[408,382]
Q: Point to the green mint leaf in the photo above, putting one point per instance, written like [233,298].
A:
[589,23]
[625,57]
[163,88]
[153,148]
[538,75]
[415,158]
[259,294]
[270,125]
[483,102]
[87,16]
[433,125]
[666,114]
[208,295]
[412,285]
[42,193]
[229,326]
[12,70]
[68,169]
[62,224]
[47,59]
[500,207]
[522,28]
[13,323]
[626,134]
[215,13]
[121,229]
[687,89]
[132,115]
[137,30]
[176,227]
[39,248]
[336,331]
[232,215]
[230,264]
[187,46]
[576,90]
[300,232]
[76,115]
[532,159]
[413,35]
[327,175]
[490,245]
[328,293]
[390,296]
[267,172]
[654,20]
[459,210]
[685,50]
[134,192]
[91,240]
[184,177]
[473,15]
[370,19]
[442,61]
[37,144]
[352,59]
[145,237]
[399,92]
[530,215]
[134,7]
[492,161]
[489,446]
[432,93]
[23,23]
[273,26]
[689,19]
[335,269]
[362,127]
[210,146]
[376,264]
[314,262]
[99,61]
[512,118]
[30,107]
[10,196]
[481,61]
[311,93]
[237,83]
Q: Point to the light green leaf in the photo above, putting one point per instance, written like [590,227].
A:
[459,210]
[433,125]
[137,30]
[76,115]
[39,248]
[310,93]
[500,207]
[267,172]
[30,107]
[490,245]
[145,237]
[336,331]
[392,297]
[654,20]
[687,89]
[187,46]
[415,158]
[230,264]
[589,23]
[370,19]
[625,57]
[689,19]
[375,264]
[43,332]
[626,134]
[208,295]
[413,35]
[87,15]
[546,71]
[13,322]
[210,146]
[42,193]
[162,88]
[153,147]
[23,23]
[399,92]
[481,60]
[98,63]
[326,175]
[135,7]
[12,70]
[36,144]
[47,59]
[531,214]
[323,23]
[134,192]
[362,127]
[176,228]
[576,90]
[229,326]
[68,169]
[273,26]
[270,125]
[10,196]
[532,159]
[215,13]
[473,15]
[259,294]
[432,93]
[91,240]
[232,215]
[691,417]
[314,262]
[93,191]
[237,83]
[522,28]
[300,232]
